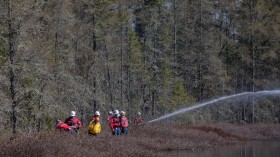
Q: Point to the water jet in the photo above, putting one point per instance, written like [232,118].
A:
[199,105]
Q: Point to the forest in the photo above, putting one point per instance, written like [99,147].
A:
[148,56]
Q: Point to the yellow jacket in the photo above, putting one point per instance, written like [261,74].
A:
[94,127]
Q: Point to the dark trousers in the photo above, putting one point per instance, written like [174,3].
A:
[124,131]
[117,131]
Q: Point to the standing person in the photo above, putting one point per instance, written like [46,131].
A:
[96,116]
[109,119]
[115,123]
[73,122]
[124,123]
[95,126]
[110,114]
[138,120]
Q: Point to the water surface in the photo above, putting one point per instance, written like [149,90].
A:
[260,148]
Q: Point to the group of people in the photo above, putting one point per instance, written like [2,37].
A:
[118,123]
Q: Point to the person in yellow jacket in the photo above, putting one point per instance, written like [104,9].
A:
[94,127]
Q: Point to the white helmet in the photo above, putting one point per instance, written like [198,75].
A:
[110,113]
[72,113]
[139,113]
[97,113]
[117,112]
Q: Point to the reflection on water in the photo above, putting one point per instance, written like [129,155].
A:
[262,148]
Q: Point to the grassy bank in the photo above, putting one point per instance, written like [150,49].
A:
[147,140]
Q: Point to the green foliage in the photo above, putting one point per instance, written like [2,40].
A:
[122,17]
[135,53]
[49,122]
[153,3]
[3,55]
[27,81]
[166,74]
[147,55]
[51,57]
[179,97]
[186,119]
[3,50]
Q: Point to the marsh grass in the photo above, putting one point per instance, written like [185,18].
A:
[147,140]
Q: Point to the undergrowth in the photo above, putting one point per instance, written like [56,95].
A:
[146,140]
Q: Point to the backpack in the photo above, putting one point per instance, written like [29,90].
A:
[71,122]
[94,127]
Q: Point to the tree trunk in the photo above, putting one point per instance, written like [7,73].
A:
[174,36]
[94,46]
[252,47]
[12,71]
[93,33]
[109,78]
[200,88]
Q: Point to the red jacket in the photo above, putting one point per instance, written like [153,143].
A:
[109,118]
[124,122]
[73,122]
[115,122]
[62,126]
[96,118]
[138,121]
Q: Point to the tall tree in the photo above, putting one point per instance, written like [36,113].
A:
[12,64]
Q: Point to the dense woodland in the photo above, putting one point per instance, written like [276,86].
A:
[152,56]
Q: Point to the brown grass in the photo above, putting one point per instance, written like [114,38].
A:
[147,140]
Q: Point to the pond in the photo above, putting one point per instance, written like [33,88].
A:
[258,148]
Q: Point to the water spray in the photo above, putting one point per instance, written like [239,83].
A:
[199,105]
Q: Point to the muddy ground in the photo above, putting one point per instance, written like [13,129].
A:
[146,140]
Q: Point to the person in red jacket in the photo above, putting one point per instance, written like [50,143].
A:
[62,126]
[115,124]
[109,119]
[124,123]
[110,114]
[138,120]
[73,122]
